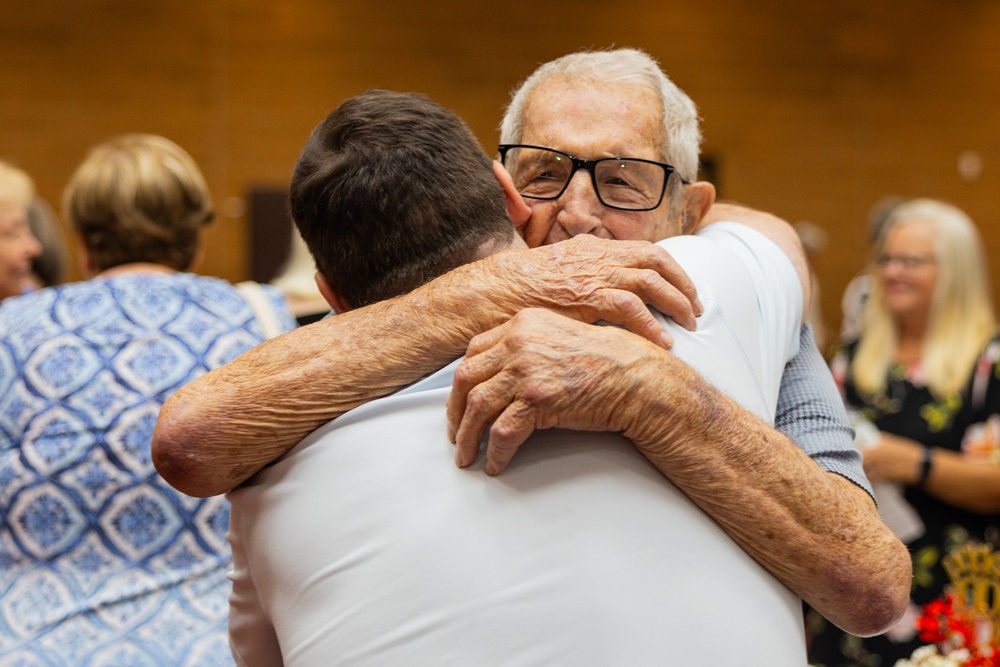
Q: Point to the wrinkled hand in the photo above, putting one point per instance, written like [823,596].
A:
[542,370]
[591,279]
[892,459]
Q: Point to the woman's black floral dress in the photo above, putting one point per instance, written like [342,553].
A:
[967,422]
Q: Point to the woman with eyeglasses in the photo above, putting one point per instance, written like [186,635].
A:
[924,378]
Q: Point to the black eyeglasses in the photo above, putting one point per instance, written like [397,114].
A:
[626,183]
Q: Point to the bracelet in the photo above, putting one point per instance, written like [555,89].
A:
[926,463]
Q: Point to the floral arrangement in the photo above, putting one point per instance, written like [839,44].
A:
[963,628]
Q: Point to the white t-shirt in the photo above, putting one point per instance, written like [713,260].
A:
[365,545]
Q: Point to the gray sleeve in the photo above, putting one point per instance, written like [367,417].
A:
[811,413]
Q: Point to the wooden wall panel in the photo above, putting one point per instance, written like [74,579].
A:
[813,111]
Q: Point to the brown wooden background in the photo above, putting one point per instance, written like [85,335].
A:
[811,110]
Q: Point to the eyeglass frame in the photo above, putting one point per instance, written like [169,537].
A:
[589,166]
[907,262]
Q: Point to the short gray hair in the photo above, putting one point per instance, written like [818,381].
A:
[681,133]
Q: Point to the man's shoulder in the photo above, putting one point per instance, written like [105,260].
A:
[726,232]
[733,256]
[749,245]
[751,249]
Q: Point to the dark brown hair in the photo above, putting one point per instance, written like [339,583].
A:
[392,190]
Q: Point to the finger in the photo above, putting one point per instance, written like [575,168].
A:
[474,370]
[480,343]
[677,277]
[668,288]
[665,297]
[628,310]
[484,403]
[509,432]
[537,228]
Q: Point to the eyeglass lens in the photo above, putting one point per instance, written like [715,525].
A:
[905,261]
[622,183]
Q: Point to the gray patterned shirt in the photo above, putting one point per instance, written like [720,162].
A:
[811,413]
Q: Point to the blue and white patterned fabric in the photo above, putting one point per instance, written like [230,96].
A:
[101,562]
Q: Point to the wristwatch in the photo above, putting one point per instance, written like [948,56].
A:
[926,463]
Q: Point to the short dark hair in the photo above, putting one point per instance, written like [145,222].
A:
[392,190]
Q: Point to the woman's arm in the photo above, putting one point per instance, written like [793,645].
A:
[966,483]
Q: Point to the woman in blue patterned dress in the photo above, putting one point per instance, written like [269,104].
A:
[926,373]
[101,562]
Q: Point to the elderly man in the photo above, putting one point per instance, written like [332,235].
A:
[815,528]
[584,554]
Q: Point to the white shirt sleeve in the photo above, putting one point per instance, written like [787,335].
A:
[753,312]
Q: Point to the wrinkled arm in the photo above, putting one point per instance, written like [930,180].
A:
[818,533]
[810,409]
[220,429]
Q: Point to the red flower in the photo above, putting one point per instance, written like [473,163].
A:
[933,624]
[941,624]
[982,661]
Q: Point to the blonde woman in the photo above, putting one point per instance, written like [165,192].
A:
[17,245]
[925,372]
[103,563]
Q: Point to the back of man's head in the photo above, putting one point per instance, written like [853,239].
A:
[681,133]
[392,190]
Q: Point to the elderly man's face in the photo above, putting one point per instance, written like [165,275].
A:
[592,121]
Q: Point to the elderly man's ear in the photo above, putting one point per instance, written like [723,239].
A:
[517,209]
[698,198]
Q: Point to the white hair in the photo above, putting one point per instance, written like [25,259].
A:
[681,135]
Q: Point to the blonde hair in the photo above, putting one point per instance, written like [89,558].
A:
[16,188]
[138,198]
[961,318]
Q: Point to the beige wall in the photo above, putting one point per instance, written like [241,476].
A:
[813,110]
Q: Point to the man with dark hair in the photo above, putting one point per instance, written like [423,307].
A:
[361,544]
[382,215]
